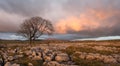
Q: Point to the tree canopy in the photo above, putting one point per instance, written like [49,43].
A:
[34,27]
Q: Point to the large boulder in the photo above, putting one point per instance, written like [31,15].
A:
[98,57]
[37,58]
[28,53]
[90,57]
[18,56]
[51,63]
[63,57]
[33,53]
[46,51]
[54,63]
[79,54]
[82,56]
[30,64]
[8,64]
[10,58]
[47,58]
[15,64]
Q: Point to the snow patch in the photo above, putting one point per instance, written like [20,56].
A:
[100,38]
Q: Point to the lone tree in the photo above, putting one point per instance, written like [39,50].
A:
[34,27]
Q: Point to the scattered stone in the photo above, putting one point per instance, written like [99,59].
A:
[10,58]
[98,57]
[90,57]
[37,58]
[47,58]
[33,53]
[8,64]
[117,57]
[109,59]
[20,56]
[28,52]
[51,63]
[52,56]
[82,56]
[15,64]
[30,64]
[63,57]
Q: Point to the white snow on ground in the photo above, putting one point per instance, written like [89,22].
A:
[100,38]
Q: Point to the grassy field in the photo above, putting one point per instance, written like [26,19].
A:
[57,41]
[81,52]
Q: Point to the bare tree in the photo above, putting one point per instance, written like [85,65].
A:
[35,27]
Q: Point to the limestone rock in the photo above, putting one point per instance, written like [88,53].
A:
[33,53]
[109,59]
[28,52]
[47,58]
[62,57]
[10,58]
[15,64]
[90,57]
[30,64]
[51,63]
[8,64]
[82,56]
[37,58]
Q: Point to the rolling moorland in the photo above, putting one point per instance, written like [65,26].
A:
[60,53]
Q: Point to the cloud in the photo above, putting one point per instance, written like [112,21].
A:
[93,18]
[91,22]
[23,7]
[12,13]
[84,17]
[9,22]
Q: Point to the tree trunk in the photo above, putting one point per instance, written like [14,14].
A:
[30,41]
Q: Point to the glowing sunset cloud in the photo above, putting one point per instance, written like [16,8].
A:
[86,21]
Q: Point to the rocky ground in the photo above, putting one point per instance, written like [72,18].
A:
[62,54]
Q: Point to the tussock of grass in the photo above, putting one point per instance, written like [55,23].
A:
[84,62]
[25,60]
[71,49]
[110,45]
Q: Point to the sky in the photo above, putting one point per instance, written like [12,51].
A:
[76,17]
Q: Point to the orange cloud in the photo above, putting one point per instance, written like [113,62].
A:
[89,20]
[74,23]
[71,23]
